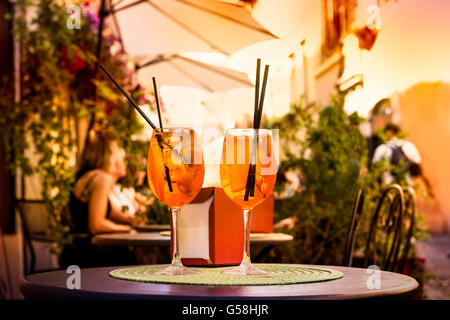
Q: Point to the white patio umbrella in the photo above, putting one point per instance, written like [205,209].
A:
[177,70]
[149,27]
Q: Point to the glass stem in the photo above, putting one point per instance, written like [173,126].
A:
[246,257]
[176,260]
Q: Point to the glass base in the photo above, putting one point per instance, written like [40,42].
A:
[247,269]
[177,270]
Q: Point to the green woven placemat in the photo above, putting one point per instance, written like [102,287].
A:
[278,274]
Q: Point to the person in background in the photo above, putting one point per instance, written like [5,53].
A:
[294,184]
[98,205]
[396,151]
[380,116]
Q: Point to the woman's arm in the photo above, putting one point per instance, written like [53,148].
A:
[98,206]
[120,216]
[123,199]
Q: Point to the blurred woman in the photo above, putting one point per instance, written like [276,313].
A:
[97,204]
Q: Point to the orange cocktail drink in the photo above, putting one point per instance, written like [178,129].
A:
[248,173]
[175,173]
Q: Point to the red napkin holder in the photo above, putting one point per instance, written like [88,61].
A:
[226,228]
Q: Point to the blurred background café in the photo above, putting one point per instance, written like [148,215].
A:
[357,88]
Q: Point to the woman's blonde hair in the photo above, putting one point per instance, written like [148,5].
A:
[97,152]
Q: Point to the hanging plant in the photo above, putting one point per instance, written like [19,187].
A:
[60,88]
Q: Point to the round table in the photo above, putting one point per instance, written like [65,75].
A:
[151,227]
[97,284]
[156,238]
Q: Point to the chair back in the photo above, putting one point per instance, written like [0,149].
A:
[408,225]
[35,215]
[35,221]
[354,221]
[385,233]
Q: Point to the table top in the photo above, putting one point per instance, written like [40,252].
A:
[157,238]
[151,227]
[97,284]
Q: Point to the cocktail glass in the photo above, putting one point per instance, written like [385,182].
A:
[248,171]
[175,173]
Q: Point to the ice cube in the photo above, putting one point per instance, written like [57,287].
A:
[237,175]
[184,186]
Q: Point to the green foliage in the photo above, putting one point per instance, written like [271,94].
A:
[329,154]
[160,213]
[325,148]
[62,87]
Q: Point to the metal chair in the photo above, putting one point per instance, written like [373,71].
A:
[34,217]
[354,221]
[408,225]
[384,252]
[397,228]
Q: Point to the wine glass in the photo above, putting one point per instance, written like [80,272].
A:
[248,171]
[175,173]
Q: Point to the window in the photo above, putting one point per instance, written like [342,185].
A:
[338,15]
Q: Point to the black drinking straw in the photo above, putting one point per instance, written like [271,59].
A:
[250,185]
[255,111]
[128,97]
[143,115]
[263,93]
[158,137]
[155,88]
